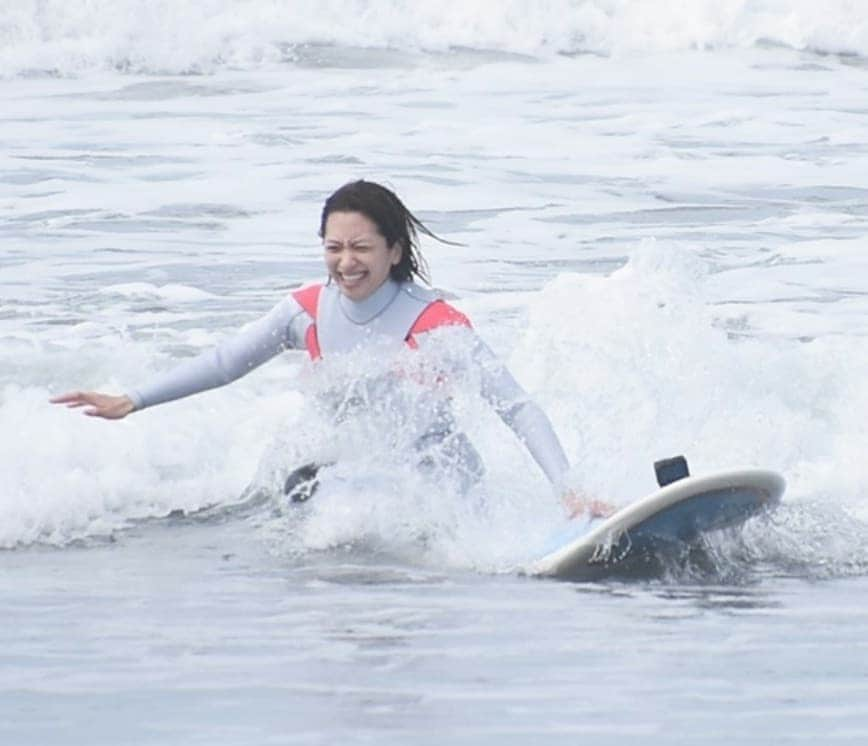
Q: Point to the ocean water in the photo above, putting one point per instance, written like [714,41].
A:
[658,214]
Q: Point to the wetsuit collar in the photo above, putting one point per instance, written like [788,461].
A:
[363,311]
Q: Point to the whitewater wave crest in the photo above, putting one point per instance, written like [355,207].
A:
[71,37]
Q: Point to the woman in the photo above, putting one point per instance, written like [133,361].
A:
[372,303]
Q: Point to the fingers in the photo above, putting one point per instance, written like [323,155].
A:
[97,404]
[74,399]
[578,504]
[600,509]
[67,398]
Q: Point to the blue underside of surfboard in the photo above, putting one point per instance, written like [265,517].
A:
[668,524]
[674,532]
[686,520]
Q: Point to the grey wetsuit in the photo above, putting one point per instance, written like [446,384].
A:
[344,326]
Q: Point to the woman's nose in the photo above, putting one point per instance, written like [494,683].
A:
[346,259]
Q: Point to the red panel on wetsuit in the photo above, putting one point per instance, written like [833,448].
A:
[436,314]
[308,299]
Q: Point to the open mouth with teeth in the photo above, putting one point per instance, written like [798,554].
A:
[351,281]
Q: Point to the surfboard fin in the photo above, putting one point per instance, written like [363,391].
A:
[669,470]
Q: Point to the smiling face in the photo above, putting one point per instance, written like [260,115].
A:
[357,256]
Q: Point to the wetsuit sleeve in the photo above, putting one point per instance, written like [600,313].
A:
[281,329]
[524,417]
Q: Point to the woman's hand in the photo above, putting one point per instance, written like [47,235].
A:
[578,504]
[98,405]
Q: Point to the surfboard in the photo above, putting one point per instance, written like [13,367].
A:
[662,524]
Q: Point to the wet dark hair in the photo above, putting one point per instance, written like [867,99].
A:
[393,220]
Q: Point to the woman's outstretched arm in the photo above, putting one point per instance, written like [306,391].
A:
[282,328]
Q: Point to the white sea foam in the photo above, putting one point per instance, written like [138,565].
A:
[69,477]
[178,36]
[169,292]
[650,376]
[653,375]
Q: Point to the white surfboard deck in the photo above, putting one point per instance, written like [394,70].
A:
[674,516]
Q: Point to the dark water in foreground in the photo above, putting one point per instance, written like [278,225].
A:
[197,634]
